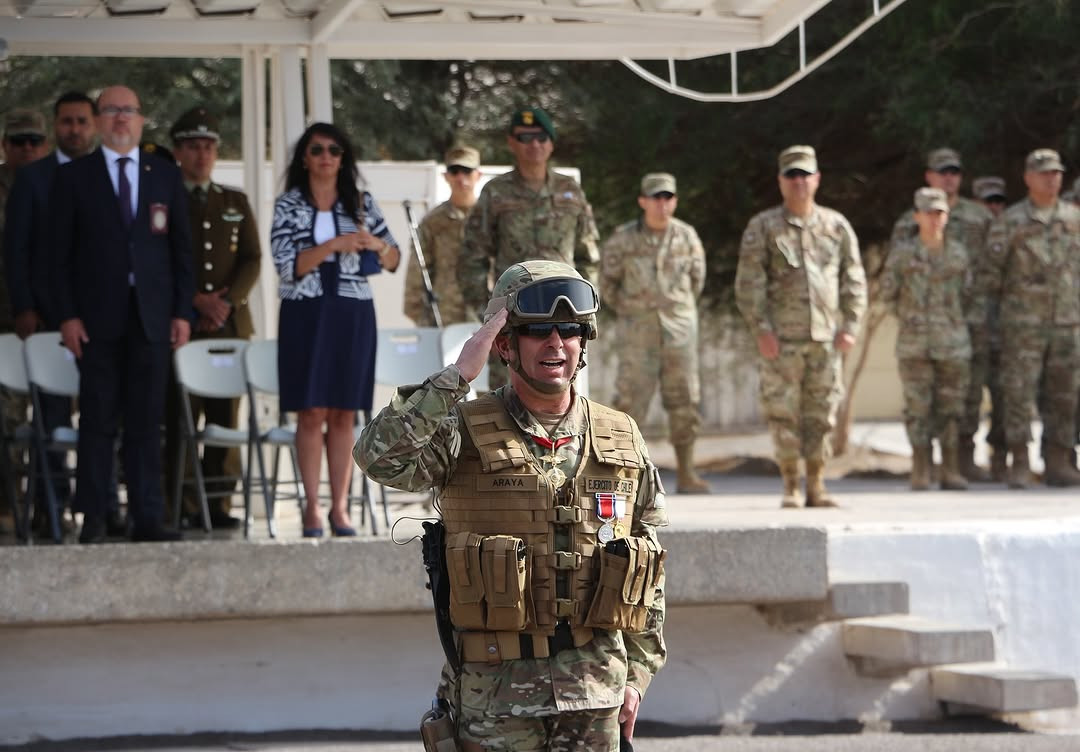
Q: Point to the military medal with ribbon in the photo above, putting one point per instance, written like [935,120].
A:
[554,475]
[610,507]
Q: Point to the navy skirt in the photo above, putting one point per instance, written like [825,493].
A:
[326,352]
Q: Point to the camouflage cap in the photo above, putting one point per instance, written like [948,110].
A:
[23,122]
[533,117]
[798,158]
[931,199]
[197,122]
[942,159]
[461,155]
[657,182]
[1044,160]
[988,187]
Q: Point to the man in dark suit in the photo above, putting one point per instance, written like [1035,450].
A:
[26,243]
[227,258]
[122,289]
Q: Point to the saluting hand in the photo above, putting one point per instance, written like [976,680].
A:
[475,351]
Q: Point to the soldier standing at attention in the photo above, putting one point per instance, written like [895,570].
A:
[927,282]
[541,491]
[800,286]
[968,223]
[652,272]
[531,212]
[225,248]
[441,232]
[990,191]
[1034,248]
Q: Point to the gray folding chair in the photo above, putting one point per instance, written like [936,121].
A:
[211,368]
[50,369]
[19,439]
[406,356]
[261,372]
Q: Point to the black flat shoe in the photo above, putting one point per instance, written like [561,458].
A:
[155,534]
[222,521]
[116,525]
[93,530]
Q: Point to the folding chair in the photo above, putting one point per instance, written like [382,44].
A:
[406,356]
[453,338]
[19,439]
[211,368]
[50,369]
[261,372]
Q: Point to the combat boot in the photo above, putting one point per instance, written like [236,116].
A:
[789,471]
[920,468]
[816,493]
[951,477]
[688,481]
[1019,472]
[1058,472]
[999,464]
[967,466]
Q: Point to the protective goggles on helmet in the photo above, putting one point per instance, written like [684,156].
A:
[539,300]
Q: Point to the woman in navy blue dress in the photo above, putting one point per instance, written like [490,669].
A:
[327,236]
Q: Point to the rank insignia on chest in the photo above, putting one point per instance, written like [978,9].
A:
[610,509]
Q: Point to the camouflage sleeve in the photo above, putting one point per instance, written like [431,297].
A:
[904,229]
[586,253]
[611,271]
[992,271]
[752,278]
[852,282]
[412,444]
[416,305]
[891,277]
[646,651]
[697,268]
[477,254]
[972,297]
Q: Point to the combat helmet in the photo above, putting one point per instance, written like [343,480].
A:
[544,291]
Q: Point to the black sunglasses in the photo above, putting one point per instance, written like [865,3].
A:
[316,150]
[26,138]
[566,329]
[529,137]
[948,171]
[456,169]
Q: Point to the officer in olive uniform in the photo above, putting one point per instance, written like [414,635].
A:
[225,247]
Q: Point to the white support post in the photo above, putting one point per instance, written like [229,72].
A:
[320,96]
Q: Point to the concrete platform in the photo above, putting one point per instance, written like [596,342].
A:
[1002,689]
[908,641]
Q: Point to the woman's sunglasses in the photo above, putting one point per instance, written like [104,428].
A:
[316,150]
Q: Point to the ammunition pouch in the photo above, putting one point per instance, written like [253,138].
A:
[488,582]
[630,571]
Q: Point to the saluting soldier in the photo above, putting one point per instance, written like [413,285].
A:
[226,255]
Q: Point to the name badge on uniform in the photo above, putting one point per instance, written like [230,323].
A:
[609,507]
[159,219]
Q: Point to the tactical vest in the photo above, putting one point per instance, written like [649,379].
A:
[502,516]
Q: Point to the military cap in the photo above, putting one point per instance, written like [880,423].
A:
[931,199]
[988,187]
[533,117]
[197,122]
[658,182]
[1044,160]
[942,159]
[22,122]
[461,155]
[798,158]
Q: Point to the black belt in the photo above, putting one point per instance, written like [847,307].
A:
[563,639]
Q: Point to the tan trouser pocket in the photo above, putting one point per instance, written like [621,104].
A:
[502,561]
[466,580]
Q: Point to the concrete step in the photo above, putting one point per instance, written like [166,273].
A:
[990,687]
[846,600]
[888,644]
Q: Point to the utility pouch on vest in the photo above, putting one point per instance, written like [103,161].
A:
[466,580]
[502,561]
[630,569]
[437,731]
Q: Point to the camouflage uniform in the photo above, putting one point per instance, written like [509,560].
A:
[512,223]
[440,233]
[1035,268]
[802,280]
[7,315]
[414,444]
[13,408]
[969,222]
[652,281]
[931,294]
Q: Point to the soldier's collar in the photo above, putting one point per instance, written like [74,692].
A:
[189,186]
[572,426]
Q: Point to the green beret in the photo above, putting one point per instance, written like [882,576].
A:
[533,117]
